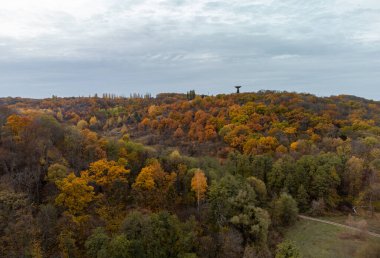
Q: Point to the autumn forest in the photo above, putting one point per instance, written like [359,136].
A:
[182,175]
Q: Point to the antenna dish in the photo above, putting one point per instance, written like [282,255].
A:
[237,89]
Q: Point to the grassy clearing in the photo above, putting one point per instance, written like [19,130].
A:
[319,240]
[373,222]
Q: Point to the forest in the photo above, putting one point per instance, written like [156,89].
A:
[181,175]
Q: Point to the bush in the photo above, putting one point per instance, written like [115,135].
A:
[287,249]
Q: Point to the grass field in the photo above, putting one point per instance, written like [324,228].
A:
[373,223]
[319,240]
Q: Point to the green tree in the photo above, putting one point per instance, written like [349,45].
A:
[302,199]
[67,244]
[220,198]
[56,172]
[158,235]
[261,165]
[324,184]
[260,189]
[119,247]
[233,202]
[285,210]
[282,168]
[253,223]
[287,249]
[96,244]
[239,164]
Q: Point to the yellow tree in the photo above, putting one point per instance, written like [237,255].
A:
[75,194]
[16,124]
[93,120]
[210,132]
[153,185]
[82,124]
[353,175]
[145,180]
[108,175]
[104,172]
[199,185]
[60,116]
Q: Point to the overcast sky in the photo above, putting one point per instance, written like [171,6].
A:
[81,47]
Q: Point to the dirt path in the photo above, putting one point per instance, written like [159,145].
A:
[337,224]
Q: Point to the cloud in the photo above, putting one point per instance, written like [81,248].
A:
[77,47]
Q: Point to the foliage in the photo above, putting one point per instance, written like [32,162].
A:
[199,185]
[75,194]
[96,244]
[153,185]
[158,235]
[104,172]
[134,167]
[285,210]
[56,172]
[287,249]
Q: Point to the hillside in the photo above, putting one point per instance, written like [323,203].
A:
[181,175]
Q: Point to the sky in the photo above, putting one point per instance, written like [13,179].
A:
[82,47]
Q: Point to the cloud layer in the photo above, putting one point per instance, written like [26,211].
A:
[79,47]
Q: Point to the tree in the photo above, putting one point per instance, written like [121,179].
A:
[199,185]
[37,251]
[82,124]
[153,185]
[104,172]
[190,95]
[59,116]
[260,166]
[158,235]
[239,164]
[231,243]
[16,124]
[96,244]
[371,194]
[324,184]
[220,195]
[353,176]
[261,145]
[145,179]
[75,194]
[16,224]
[282,169]
[287,249]
[120,247]
[210,133]
[56,172]
[253,223]
[47,219]
[179,133]
[302,198]
[260,189]
[93,121]
[285,210]
[232,202]
[67,244]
